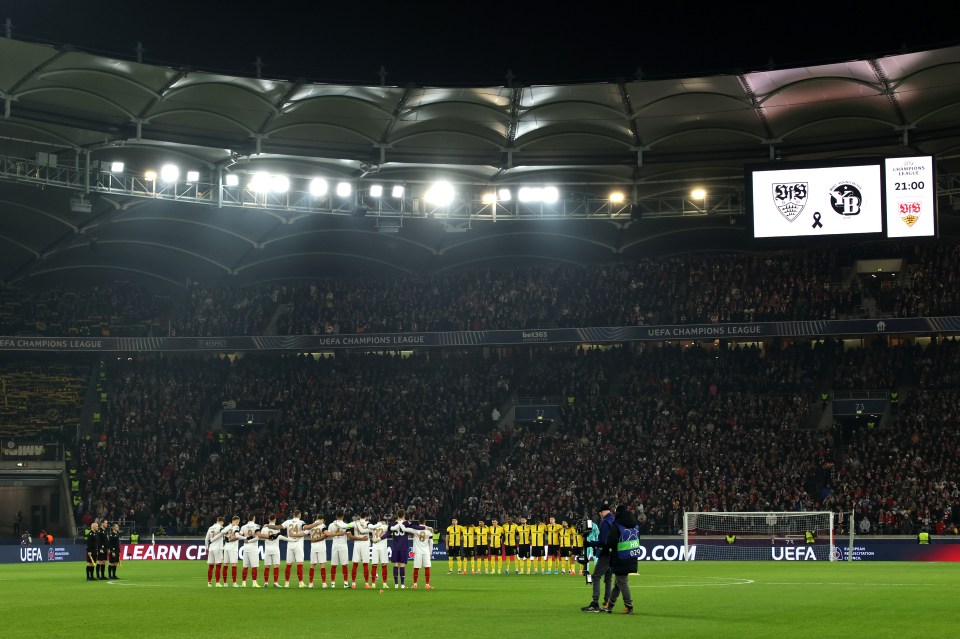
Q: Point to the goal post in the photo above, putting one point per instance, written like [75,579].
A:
[761,536]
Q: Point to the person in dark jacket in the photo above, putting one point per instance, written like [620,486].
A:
[602,568]
[620,566]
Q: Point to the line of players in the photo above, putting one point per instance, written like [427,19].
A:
[547,548]
[375,544]
[103,551]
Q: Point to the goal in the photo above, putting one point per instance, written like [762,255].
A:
[762,536]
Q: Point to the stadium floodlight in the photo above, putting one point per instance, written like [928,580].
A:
[440,193]
[279,183]
[616,197]
[318,187]
[550,194]
[116,167]
[489,197]
[231,179]
[259,182]
[376,190]
[530,194]
[193,176]
[150,175]
[344,189]
[397,191]
[698,193]
[169,173]
[504,195]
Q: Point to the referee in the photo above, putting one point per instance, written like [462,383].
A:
[113,550]
[92,550]
[102,550]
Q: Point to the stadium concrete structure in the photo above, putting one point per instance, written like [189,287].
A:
[113,170]
[71,214]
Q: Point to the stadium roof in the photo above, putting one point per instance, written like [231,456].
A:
[66,111]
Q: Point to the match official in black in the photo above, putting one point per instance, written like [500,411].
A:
[113,550]
[92,550]
[102,550]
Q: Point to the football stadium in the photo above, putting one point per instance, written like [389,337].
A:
[666,355]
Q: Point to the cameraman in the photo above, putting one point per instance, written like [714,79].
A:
[602,568]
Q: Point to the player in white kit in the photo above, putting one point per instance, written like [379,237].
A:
[231,550]
[379,533]
[251,550]
[295,527]
[337,530]
[270,534]
[214,541]
[318,551]
[361,550]
[422,551]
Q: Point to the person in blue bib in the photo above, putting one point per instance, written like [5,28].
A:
[623,543]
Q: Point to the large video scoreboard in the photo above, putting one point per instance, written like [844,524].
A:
[892,197]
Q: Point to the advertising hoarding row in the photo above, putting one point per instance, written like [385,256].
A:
[651,549]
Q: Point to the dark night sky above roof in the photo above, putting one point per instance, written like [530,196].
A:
[475,43]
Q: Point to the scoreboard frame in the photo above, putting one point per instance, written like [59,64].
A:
[857,198]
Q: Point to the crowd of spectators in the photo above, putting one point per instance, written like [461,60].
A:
[680,289]
[365,431]
[680,428]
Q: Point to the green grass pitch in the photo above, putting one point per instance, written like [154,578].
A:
[700,599]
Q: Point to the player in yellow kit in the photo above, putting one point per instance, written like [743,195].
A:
[510,533]
[482,546]
[567,537]
[576,549]
[553,530]
[469,549]
[523,544]
[454,541]
[496,547]
[537,533]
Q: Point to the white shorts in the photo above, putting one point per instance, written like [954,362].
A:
[318,552]
[381,554]
[421,561]
[231,555]
[295,554]
[272,558]
[339,556]
[215,556]
[361,552]
[251,556]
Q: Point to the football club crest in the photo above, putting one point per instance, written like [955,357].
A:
[846,198]
[910,212]
[790,198]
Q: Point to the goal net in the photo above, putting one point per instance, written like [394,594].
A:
[760,536]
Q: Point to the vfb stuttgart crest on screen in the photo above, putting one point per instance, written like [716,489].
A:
[790,198]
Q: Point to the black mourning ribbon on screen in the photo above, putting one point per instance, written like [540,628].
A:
[816,221]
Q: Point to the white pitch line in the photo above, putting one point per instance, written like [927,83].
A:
[127,583]
[840,583]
